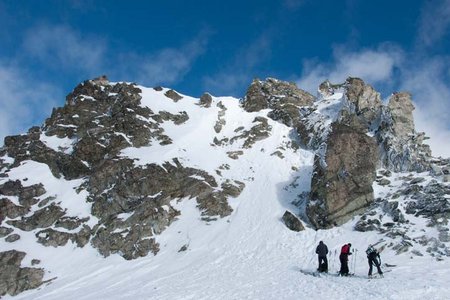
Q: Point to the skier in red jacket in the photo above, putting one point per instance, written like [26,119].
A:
[343,257]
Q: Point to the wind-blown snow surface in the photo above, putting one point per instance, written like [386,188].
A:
[248,255]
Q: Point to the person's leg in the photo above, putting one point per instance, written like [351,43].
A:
[325,261]
[370,266]
[377,263]
[345,267]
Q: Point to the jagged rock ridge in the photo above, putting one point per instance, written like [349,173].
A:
[352,133]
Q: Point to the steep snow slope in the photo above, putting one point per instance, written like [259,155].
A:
[247,255]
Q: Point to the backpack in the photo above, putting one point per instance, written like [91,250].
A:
[345,249]
[370,250]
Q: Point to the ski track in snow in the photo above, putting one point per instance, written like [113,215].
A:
[248,255]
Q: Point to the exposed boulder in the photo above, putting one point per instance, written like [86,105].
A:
[205,100]
[292,222]
[364,225]
[173,95]
[12,238]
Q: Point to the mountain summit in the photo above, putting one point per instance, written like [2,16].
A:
[125,179]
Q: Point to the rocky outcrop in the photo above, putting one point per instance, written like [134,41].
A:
[280,96]
[12,238]
[139,205]
[401,108]
[132,203]
[15,279]
[206,100]
[366,101]
[171,94]
[342,184]
[10,210]
[401,147]
[287,104]
[42,218]
[4,231]
[336,198]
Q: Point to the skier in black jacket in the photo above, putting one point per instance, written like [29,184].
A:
[322,251]
[373,257]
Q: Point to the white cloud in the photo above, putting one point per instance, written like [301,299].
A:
[371,65]
[163,67]
[22,100]
[63,48]
[435,22]
[60,47]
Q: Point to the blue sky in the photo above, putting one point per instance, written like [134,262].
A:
[47,47]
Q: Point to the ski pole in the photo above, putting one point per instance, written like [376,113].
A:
[333,258]
[352,265]
[352,262]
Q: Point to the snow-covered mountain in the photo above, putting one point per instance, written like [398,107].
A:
[130,192]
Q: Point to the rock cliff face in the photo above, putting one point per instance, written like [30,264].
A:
[343,188]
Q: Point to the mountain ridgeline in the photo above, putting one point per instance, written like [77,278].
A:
[108,169]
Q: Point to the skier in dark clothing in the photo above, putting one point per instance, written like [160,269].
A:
[322,251]
[373,257]
[343,257]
